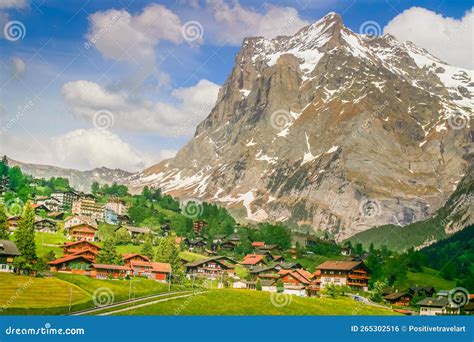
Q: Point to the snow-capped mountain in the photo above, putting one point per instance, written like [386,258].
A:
[329,130]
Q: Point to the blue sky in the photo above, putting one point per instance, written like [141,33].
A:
[120,84]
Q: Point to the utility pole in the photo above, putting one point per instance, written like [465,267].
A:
[70,299]
[130,289]
[169,283]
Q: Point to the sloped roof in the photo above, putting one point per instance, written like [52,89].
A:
[252,259]
[69,258]
[132,255]
[339,265]
[434,302]
[8,247]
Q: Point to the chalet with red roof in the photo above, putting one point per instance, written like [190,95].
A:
[76,264]
[106,271]
[154,270]
[253,260]
[81,232]
[128,258]
[70,248]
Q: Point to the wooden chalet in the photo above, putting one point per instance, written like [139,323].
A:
[70,248]
[437,306]
[76,264]
[354,274]
[135,257]
[81,232]
[228,245]
[8,253]
[12,223]
[105,271]
[45,226]
[56,215]
[154,270]
[39,208]
[198,226]
[253,260]
[76,220]
[258,244]
[211,268]
[402,298]
[195,243]
[138,232]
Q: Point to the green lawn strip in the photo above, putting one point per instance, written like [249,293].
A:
[46,242]
[121,288]
[247,302]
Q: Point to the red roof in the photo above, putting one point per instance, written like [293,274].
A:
[111,267]
[295,274]
[258,244]
[132,255]
[69,258]
[159,267]
[252,259]
[69,244]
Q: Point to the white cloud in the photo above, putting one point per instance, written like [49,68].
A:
[234,22]
[190,106]
[91,148]
[81,149]
[113,32]
[18,67]
[447,38]
[13,4]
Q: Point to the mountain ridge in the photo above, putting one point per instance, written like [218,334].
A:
[328,130]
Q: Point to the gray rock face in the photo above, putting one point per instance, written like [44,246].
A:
[329,130]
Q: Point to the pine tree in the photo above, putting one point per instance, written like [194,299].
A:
[25,235]
[108,254]
[3,224]
[147,247]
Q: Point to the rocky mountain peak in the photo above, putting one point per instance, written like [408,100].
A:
[313,129]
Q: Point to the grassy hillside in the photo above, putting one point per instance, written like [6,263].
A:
[429,277]
[23,295]
[50,296]
[398,238]
[246,302]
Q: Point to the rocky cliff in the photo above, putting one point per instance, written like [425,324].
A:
[329,130]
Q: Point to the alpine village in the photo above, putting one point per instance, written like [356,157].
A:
[59,247]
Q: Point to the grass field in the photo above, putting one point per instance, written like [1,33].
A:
[28,293]
[46,242]
[309,262]
[190,256]
[121,289]
[430,277]
[247,302]
[50,296]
